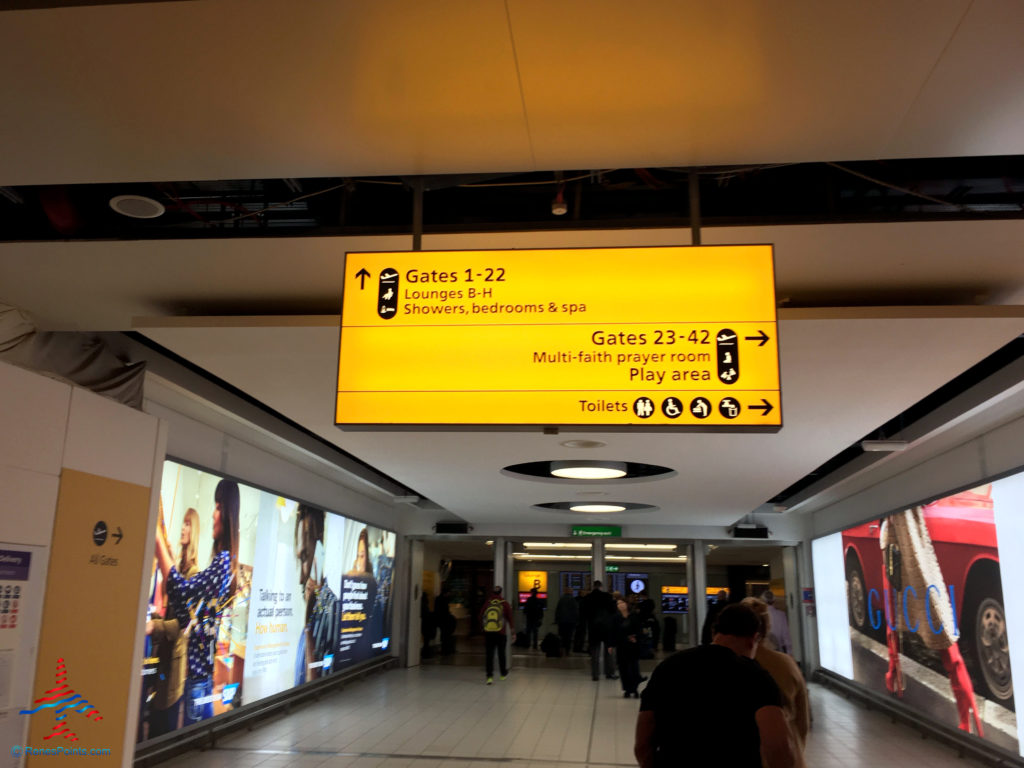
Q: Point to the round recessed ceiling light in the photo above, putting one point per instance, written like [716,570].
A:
[588,470]
[583,444]
[598,508]
[137,206]
[593,508]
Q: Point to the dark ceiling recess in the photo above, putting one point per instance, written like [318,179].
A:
[805,193]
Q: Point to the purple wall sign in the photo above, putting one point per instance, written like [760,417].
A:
[14,565]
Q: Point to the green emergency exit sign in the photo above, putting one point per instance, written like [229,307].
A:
[611,569]
[601,531]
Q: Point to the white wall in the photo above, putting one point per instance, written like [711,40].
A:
[411,576]
[33,418]
[995,452]
[238,449]
[46,426]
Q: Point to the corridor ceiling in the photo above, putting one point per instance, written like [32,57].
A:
[203,96]
[258,89]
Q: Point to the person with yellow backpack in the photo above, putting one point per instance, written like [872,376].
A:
[494,616]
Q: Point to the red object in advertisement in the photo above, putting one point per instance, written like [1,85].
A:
[963,533]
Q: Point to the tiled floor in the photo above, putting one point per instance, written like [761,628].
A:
[547,714]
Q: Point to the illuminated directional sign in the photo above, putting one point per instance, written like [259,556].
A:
[650,338]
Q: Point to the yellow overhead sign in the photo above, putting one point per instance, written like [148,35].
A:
[676,337]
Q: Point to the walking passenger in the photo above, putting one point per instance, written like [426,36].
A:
[714,694]
[599,612]
[494,617]
[779,632]
[445,621]
[787,676]
[627,648]
[534,610]
[567,616]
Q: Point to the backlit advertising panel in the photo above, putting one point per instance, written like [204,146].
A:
[295,597]
[252,594]
[917,605]
[368,557]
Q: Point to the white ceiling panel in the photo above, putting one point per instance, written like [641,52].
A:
[226,89]
[973,102]
[669,83]
[255,88]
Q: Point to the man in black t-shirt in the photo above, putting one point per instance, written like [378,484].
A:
[715,700]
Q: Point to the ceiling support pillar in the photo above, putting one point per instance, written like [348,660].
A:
[697,581]
[694,208]
[417,214]
[597,562]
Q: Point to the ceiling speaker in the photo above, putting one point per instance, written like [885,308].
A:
[137,206]
[749,531]
[451,528]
